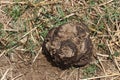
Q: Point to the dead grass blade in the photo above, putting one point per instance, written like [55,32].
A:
[2,53]
[4,75]
[17,77]
[99,77]
[28,32]
[113,58]
[42,3]
[105,3]
[37,55]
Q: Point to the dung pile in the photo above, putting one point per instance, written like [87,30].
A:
[68,45]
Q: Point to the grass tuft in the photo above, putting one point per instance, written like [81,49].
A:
[90,70]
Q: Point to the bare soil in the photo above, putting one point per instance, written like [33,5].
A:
[41,69]
[21,67]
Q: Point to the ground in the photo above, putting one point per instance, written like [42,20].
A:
[24,25]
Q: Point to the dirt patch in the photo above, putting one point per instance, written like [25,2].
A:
[26,70]
[41,69]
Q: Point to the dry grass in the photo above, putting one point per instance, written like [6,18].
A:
[24,24]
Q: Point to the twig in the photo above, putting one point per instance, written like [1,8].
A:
[68,78]
[101,77]
[4,75]
[102,66]
[42,3]
[78,76]
[10,30]
[103,55]
[62,74]
[17,76]
[37,54]
[2,53]
[114,59]
[92,29]
[28,32]
[9,2]
[105,3]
